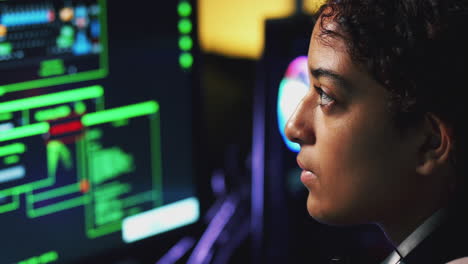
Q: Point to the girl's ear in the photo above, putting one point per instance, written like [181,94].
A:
[434,151]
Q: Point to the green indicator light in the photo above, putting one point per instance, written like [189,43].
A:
[124,112]
[80,108]
[52,99]
[185,43]
[49,257]
[66,38]
[25,131]
[64,42]
[76,77]
[10,160]
[185,26]
[184,9]
[52,67]
[52,114]
[5,49]
[17,148]
[42,259]
[186,60]
[5,116]
[67,31]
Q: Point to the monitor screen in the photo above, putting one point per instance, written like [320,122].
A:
[96,125]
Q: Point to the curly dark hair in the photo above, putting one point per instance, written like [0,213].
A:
[418,50]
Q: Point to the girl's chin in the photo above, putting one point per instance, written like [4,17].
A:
[327,217]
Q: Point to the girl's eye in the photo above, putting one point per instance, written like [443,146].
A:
[325,99]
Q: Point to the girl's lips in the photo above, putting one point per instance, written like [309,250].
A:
[303,168]
[307,176]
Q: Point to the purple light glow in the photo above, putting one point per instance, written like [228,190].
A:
[177,251]
[212,232]
[217,183]
[258,146]
[296,67]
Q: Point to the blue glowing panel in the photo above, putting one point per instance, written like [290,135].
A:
[25,18]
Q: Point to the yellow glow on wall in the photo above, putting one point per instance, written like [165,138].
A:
[236,28]
[311,6]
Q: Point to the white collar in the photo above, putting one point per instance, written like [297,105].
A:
[416,237]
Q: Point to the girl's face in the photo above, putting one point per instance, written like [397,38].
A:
[356,164]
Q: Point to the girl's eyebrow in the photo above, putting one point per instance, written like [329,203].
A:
[340,80]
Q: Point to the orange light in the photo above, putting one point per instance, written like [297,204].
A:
[3,31]
[84,186]
[66,14]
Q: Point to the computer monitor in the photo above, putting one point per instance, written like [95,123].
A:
[97,103]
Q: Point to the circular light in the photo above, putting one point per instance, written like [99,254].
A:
[80,108]
[67,31]
[186,60]
[184,9]
[292,89]
[66,14]
[185,43]
[185,26]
